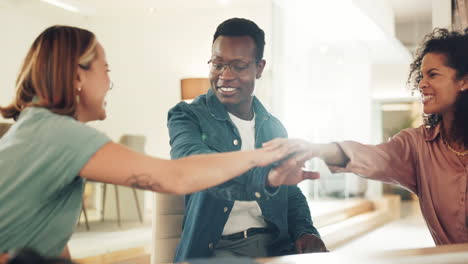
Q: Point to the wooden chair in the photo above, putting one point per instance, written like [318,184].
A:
[167,226]
[137,143]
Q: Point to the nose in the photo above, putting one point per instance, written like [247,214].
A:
[422,84]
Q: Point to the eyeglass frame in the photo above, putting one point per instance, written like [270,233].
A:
[229,65]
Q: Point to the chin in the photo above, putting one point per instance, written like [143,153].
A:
[430,111]
[102,115]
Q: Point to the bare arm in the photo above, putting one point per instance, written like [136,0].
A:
[331,153]
[116,164]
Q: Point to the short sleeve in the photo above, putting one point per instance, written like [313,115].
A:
[59,147]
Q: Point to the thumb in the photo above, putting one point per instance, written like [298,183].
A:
[311,175]
[299,249]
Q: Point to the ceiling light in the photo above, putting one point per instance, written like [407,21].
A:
[70,5]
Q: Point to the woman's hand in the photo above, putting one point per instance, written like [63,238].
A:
[279,150]
[299,145]
[330,153]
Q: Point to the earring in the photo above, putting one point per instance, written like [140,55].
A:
[78,96]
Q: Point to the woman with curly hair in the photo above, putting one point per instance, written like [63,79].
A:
[49,151]
[431,160]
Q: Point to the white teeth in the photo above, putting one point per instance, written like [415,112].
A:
[227,89]
[426,98]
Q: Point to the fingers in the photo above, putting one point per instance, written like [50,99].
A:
[274,142]
[294,145]
[304,156]
[299,248]
[310,175]
[288,173]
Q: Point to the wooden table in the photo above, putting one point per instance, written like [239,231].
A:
[451,254]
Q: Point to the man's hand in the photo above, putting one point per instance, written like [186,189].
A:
[308,243]
[290,172]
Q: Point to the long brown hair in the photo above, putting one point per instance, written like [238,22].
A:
[49,70]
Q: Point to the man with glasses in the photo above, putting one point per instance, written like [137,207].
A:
[249,215]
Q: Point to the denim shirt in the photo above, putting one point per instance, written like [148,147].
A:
[204,126]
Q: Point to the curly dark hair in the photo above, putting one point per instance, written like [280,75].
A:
[454,45]
[236,27]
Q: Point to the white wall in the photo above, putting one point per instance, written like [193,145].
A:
[149,54]
[18,29]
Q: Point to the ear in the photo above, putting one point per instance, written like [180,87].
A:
[464,83]
[80,78]
[260,67]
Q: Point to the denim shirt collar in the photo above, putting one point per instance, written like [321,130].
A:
[219,112]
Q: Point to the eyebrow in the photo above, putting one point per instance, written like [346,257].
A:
[432,69]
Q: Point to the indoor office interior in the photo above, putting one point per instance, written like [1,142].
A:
[335,70]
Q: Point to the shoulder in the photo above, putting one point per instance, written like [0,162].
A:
[46,125]
[198,107]
[198,104]
[418,133]
[410,137]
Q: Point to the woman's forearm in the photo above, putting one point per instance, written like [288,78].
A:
[332,154]
[116,164]
[199,172]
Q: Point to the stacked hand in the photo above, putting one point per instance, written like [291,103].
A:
[290,170]
[282,148]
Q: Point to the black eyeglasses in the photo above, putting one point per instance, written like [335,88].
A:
[236,67]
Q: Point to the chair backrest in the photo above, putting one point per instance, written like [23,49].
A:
[167,217]
[135,142]
[167,226]
[4,128]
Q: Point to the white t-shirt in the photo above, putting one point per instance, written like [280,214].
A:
[244,215]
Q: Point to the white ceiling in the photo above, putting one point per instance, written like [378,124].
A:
[168,4]
[405,10]
[412,10]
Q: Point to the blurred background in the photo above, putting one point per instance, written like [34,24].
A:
[336,70]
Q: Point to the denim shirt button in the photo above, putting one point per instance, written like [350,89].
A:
[257,194]
[225,209]
[235,142]
[210,246]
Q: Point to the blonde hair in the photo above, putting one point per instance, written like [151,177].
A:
[49,70]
